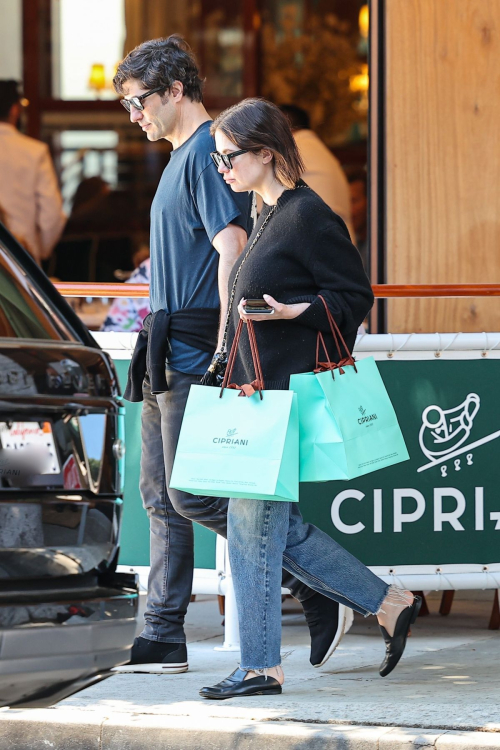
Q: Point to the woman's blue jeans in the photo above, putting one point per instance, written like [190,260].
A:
[263,536]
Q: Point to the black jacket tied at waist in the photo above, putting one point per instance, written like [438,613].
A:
[196,327]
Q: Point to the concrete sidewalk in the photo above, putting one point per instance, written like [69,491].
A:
[445,693]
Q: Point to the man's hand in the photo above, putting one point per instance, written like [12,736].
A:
[229,243]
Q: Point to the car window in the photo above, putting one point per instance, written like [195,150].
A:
[22,315]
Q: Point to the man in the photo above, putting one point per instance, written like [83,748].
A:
[29,194]
[198,229]
[359,210]
[323,172]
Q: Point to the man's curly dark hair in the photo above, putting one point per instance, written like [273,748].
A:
[158,63]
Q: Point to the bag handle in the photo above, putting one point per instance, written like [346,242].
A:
[232,354]
[258,383]
[255,353]
[338,338]
[321,340]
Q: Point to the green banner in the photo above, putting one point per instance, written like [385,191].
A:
[440,507]
[443,505]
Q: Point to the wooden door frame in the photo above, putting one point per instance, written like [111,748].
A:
[376,162]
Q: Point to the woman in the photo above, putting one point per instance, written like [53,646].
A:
[303,251]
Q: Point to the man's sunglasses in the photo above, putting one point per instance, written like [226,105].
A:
[226,158]
[136,101]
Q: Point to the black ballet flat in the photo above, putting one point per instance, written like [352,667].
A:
[395,645]
[235,686]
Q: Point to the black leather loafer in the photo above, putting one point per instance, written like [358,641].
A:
[395,645]
[235,686]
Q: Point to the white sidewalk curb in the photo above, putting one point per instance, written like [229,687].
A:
[70,729]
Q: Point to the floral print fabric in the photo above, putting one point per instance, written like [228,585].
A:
[127,314]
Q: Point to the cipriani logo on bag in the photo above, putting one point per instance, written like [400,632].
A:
[364,416]
[230,439]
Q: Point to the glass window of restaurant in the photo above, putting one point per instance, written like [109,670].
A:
[311,53]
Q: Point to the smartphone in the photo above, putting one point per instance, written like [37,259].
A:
[258,307]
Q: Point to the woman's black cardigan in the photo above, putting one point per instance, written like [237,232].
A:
[304,251]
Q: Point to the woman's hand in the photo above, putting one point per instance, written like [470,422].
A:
[281,311]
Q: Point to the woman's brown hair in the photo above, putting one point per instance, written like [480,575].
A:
[256,124]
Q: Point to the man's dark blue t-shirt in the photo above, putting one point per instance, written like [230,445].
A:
[191,206]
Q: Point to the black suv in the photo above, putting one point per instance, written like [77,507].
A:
[66,616]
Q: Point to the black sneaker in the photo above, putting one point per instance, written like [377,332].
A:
[328,622]
[154,657]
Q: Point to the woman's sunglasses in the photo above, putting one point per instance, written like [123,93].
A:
[136,101]
[226,158]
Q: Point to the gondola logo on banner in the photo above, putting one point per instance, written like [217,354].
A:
[444,434]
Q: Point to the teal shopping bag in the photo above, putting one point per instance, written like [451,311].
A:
[358,399]
[238,447]
[347,424]
[239,441]
[321,447]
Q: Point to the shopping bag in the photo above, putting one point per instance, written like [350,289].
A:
[321,447]
[348,426]
[239,441]
[366,418]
